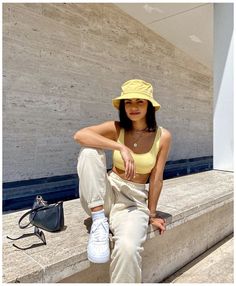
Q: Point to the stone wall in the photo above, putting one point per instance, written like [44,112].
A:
[62,65]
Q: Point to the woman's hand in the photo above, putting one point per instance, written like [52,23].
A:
[128,162]
[159,223]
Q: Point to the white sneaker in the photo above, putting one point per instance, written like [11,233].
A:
[98,249]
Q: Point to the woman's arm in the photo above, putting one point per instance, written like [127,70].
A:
[104,136]
[101,136]
[156,179]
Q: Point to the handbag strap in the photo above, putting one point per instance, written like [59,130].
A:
[35,210]
[28,213]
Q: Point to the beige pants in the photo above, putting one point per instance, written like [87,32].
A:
[125,205]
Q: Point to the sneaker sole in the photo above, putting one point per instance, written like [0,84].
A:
[99,260]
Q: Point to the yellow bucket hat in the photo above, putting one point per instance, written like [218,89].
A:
[136,88]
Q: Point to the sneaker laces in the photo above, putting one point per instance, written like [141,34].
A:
[99,230]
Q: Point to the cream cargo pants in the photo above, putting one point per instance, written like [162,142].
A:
[125,205]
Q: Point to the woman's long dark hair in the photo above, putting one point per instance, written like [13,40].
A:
[126,123]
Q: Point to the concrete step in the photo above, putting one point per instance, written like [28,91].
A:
[20,194]
[216,265]
[194,206]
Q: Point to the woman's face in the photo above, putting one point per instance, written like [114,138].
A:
[136,109]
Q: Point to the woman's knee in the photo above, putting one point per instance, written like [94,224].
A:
[91,161]
[87,151]
[91,156]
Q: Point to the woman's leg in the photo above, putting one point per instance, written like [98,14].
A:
[130,231]
[129,223]
[95,194]
[94,188]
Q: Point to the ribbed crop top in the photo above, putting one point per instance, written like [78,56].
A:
[144,163]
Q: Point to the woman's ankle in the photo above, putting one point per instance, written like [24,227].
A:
[96,209]
[98,214]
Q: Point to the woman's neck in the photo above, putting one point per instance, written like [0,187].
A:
[139,126]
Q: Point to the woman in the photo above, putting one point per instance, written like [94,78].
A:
[140,150]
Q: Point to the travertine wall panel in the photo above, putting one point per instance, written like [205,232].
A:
[62,65]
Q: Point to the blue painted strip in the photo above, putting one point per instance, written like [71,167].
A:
[21,194]
[38,181]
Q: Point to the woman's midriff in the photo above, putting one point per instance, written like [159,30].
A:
[139,178]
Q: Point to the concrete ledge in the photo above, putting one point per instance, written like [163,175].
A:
[194,205]
[20,194]
[216,265]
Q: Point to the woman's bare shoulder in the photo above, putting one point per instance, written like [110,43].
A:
[165,136]
[109,129]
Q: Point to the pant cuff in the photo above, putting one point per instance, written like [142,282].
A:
[95,204]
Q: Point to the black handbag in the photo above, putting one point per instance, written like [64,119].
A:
[44,216]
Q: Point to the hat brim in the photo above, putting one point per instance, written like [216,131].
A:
[116,101]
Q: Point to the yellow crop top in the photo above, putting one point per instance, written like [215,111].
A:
[145,162]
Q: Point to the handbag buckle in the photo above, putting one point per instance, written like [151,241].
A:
[40,200]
